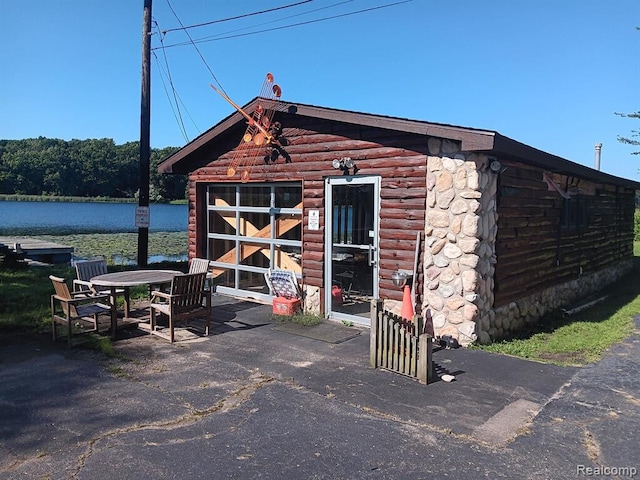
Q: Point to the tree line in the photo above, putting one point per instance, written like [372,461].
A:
[83,168]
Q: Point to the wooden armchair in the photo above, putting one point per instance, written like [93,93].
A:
[198,265]
[76,311]
[183,302]
[85,271]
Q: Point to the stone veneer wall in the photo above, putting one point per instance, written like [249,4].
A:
[460,237]
[311,296]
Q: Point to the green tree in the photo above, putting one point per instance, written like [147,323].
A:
[84,168]
[167,187]
[634,133]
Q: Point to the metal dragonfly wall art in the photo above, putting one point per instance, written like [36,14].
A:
[263,137]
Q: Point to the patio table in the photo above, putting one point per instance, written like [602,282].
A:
[126,280]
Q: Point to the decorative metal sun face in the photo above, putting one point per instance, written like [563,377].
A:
[262,138]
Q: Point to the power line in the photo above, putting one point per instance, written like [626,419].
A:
[202,39]
[164,85]
[236,17]
[194,46]
[207,39]
[173,89]
[166,91]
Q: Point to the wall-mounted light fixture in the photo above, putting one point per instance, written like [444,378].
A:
[345,164]
[494,164]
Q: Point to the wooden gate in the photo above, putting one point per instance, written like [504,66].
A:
[400,345]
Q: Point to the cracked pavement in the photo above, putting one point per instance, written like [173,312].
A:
[251,402]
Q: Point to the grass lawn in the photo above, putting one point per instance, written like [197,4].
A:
[583,337]
[25,292]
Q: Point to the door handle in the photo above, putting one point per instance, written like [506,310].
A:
[370,258]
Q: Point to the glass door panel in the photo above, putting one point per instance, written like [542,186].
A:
[352,246]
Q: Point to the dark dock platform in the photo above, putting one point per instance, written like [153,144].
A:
[38,250]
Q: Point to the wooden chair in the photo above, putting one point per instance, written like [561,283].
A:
[198,265]
[85,271]
[181,303]
[76,311]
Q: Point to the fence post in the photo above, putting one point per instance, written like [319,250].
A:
[425,360]
[376,307]
[418,323]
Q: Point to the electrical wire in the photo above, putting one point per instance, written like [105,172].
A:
[232,34]
[162,69]
[173,89]
[166,91]
[237,17]
[184,107]
[202,39]
[193,42]
[213,75]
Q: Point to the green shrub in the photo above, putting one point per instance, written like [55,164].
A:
[636,224]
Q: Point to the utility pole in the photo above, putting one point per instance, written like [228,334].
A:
[142,213]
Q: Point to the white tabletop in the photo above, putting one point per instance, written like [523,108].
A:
[132,278]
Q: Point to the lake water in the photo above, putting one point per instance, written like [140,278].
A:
[64,218]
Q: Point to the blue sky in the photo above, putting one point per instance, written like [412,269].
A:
[547,73]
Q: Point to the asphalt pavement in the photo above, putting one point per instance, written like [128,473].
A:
[251,401]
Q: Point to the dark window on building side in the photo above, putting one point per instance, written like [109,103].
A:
[575,213]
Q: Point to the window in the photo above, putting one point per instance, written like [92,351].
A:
[575,213]
[251,228]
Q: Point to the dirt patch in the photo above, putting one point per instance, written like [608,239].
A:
[565,359]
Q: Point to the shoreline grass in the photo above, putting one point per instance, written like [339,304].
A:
[56,198]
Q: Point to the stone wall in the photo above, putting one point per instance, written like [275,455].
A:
[311,296]
[461,228]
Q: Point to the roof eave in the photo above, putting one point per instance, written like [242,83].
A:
[505,146]
[470,139]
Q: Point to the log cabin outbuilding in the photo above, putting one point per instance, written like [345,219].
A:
[493,233]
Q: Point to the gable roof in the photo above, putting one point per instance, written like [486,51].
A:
[193,155]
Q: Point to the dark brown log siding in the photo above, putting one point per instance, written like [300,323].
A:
[400,159]
[534,252]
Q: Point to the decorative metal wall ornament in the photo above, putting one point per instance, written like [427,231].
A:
[263,137]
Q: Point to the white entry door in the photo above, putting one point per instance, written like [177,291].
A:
[351,246]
